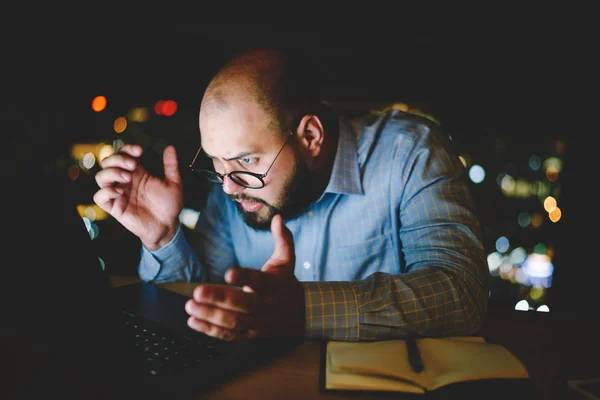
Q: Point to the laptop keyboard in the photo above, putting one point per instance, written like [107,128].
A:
[166,351]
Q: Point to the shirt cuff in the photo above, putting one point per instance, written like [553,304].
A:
[151,261]
[331,311]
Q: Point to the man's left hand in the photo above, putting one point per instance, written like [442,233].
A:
[264,303]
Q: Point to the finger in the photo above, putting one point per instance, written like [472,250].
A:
[283,255]
[171,165]
[110,176]
[214,330]
[113,200]
[105,198]
[120,160]
[248,277]
[226,296]
[218,316]
[133,150]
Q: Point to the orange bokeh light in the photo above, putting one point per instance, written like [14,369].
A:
[120,124]
[73,172]
[99,103]
[555,214]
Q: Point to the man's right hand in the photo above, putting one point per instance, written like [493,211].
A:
[146,205]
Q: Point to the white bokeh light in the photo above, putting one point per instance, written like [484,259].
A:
[522,305]
[89,160]
[477,173]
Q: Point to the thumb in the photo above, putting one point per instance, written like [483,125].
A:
[171,165]
[283,258]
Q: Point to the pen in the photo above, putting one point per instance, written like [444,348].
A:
[414,357]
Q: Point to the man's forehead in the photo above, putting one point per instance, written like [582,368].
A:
[225,143]
[228,134]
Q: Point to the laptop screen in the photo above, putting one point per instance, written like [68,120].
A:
[59,328]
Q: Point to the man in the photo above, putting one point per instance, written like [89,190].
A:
[313,227]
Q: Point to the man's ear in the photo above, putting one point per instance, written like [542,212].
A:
[310,135]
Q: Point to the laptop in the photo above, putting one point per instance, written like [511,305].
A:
[175,356]
[66,331]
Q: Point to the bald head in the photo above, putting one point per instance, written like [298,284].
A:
[276,82]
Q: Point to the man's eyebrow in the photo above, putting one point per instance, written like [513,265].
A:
[236,157]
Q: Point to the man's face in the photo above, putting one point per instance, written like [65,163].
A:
[241,140]
[293,198]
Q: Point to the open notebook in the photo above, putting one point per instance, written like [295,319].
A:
[384,365]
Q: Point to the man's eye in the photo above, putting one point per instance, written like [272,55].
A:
[248,160]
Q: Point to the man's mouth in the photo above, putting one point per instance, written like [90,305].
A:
[250,206]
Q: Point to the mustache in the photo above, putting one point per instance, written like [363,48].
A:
[245,197]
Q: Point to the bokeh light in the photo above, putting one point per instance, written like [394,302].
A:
[89,160]
[165,107]
[502,244]
[522,305]
[524,219]
[138,114]
[120,124]
[73,172]
[535,162]
[555,214]
[477,173]
[99,103]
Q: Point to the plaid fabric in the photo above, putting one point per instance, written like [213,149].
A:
[385,306]
[392,247]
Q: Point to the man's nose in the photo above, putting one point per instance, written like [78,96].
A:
[230,187]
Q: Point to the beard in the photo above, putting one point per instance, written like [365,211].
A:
[298,192]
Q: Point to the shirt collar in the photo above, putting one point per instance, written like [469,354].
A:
[345,175]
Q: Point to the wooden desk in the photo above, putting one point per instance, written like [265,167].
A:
[554,348]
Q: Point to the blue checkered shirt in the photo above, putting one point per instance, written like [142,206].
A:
[392,247]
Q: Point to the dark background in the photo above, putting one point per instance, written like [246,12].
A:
[522,80]
[487,70]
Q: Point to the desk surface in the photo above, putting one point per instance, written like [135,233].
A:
[554,348]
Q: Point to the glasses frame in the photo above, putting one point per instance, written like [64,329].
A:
[216,177]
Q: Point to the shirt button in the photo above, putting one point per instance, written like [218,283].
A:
[306,265]
[311,213]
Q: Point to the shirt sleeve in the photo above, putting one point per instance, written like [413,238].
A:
[175,261]
[442,285]
[202,254]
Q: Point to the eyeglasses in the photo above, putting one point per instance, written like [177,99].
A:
[250,180]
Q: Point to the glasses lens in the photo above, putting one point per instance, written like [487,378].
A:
[246,179]
[210,175]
